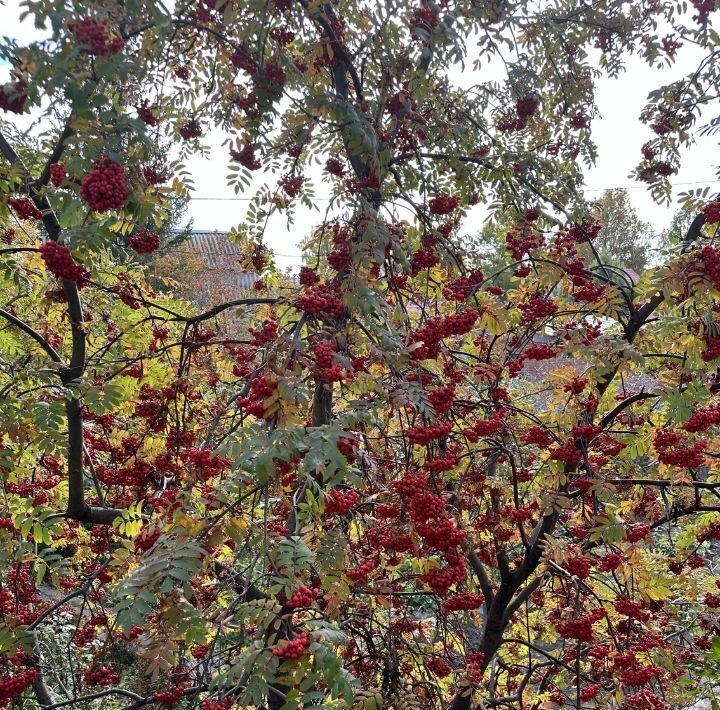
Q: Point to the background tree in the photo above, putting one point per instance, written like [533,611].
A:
[624,239]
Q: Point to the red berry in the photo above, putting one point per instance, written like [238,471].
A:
[25,208]
[145,242]
[103,187]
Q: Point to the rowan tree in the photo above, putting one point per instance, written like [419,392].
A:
[364,501]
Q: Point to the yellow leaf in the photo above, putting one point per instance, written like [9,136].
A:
[236,528]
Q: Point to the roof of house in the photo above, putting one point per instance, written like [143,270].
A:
[220,255]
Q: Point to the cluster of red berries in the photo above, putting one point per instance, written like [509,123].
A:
[422,435]
[190,129]
[145,242]
[511,122]
[339,257]
[656,169]
[260,389]
[389,538]
[590,692]
[325,370]
[246,156]
[711,600]
[410,484]
[224,704]
[475,662]
[302,597]
[586,431]
[537,308]
[638,675]
[711,532]
[442,398]
[292,185]
[585,291]
[438,328]
[270,80]
[146,114]
[382,510]
[527,105]
[293,650]
[702,419]
[582,232]
[422,259]
[424,505]
[282,35]
[58,174]
[440,580]
[423,18]
[321,299]
[441,535]
[670,453]
[443,204]
[662,127]
[711,211]
[580,628]
[519,242]
[633,610]
[264,335]
[241,59]
[25,208]
[103,187]
[704,8]
[644,699]
[462,602]
[536,435]
[442,463]
[536,351]
[568,454]
[101,675]
[12,685]
[360,574]
[339,503]
[13,97]
[92,35]
[401,101]
[709,264]
[335,167]
[154,177]
[636,533]
[462,288]
[59,261]
[578,567]
[7,524]
[169,697]
[712,350]
[610,562]
[200,651]
[206,464]
[438,667]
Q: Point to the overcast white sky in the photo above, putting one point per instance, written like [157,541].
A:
[619,135]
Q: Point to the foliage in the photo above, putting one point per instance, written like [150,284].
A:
[625,240]
[375,496]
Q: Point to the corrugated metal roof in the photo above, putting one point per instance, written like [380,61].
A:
[220,255]
[214,248]
[220,259]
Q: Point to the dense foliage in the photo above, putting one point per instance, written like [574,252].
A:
[403,485]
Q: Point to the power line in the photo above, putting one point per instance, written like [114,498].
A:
[583,189]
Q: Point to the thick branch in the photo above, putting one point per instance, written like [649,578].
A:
[28,330]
